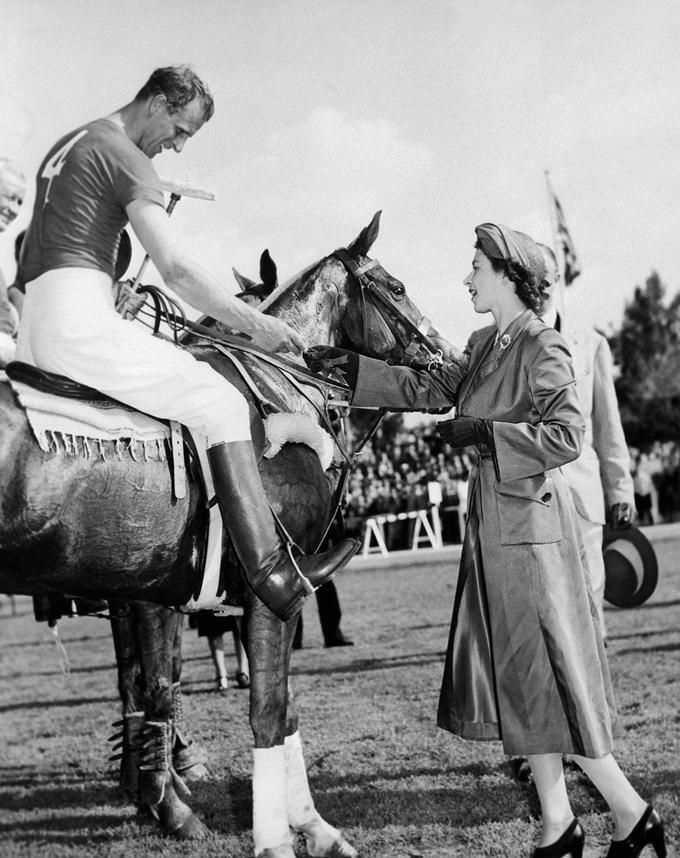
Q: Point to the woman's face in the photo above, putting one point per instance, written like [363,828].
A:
[484,284]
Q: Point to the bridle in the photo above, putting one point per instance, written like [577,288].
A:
[391,315]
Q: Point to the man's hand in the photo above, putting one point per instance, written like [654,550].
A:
[328,359]
[128,303]
[463,431]
[620,516]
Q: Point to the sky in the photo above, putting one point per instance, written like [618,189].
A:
[441,114]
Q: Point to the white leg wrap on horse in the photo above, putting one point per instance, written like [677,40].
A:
[302,815]
[299,799]
[270,820]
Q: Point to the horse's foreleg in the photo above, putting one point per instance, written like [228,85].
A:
[160,787]
[128,736]
[281,796]
[321,838]
[268,642]
[188,757]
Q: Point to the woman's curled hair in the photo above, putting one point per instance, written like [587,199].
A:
[528,284]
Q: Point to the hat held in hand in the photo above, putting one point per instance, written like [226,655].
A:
[631,567]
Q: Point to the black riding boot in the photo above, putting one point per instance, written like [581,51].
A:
[281,583]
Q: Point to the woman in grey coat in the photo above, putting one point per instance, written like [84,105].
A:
[525,660]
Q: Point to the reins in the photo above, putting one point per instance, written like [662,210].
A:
[166,309]
[179,324]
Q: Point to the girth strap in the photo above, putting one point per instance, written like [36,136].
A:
[263,405]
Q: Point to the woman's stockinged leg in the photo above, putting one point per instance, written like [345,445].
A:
[552,794]
[216,645]
[626,805]
[241,655]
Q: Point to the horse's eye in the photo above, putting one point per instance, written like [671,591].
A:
[398,290]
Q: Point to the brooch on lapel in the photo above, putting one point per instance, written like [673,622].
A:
[504,341]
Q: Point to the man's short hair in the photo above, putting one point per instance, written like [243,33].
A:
[180,85]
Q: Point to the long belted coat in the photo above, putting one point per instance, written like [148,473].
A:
[525,660]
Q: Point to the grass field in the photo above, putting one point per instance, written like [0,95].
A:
[378,766]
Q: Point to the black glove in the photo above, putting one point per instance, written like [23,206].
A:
[327,359]
[620,516]
[463,431]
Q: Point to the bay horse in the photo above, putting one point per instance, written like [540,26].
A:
[110,528]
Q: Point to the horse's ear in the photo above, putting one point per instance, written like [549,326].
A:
[363,242]
[244,282]
[268,273]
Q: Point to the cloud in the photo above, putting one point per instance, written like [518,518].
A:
[337,151]
[329,163]
[324,176]
[16,124]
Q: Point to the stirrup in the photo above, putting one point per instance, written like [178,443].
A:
[306,583]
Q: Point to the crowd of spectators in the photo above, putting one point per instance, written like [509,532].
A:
[395,471]
[656,478]
[394,475]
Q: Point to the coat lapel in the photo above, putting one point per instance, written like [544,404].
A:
[481,349]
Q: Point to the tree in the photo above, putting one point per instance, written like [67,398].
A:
[647,350]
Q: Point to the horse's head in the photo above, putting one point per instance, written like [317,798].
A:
[349,300]
[381,320]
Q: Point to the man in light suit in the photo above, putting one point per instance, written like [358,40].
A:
[12,193]
[600,479]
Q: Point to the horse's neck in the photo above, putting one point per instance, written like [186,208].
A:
[312,306]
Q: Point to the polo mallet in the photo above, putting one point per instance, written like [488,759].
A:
[177,190]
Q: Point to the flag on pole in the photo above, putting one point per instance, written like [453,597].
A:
[572,267]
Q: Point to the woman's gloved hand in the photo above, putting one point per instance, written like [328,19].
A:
[463,431]
[328,359]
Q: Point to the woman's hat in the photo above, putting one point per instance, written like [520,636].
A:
[630,566]
[500,242]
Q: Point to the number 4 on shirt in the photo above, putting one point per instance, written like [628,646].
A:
[54,166]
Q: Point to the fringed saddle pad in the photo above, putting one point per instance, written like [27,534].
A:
[77,428]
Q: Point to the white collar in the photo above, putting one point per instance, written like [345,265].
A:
[550,318]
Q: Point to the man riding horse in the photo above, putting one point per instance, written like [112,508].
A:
[91,183]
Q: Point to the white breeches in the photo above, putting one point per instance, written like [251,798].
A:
[591,536]
[70,326]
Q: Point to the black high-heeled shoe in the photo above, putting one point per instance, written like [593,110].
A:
[570,843]
[647,832]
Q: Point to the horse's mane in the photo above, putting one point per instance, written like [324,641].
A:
[282,288]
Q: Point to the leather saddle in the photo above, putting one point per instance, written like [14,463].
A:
[59,385]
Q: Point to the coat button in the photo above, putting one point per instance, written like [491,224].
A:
[546,497]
